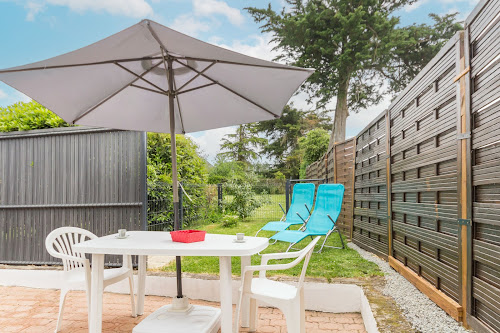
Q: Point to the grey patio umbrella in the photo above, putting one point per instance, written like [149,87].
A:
[152,78]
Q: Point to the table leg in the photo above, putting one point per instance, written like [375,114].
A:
[97,288]
[226,300]
[141,289]
[245,302]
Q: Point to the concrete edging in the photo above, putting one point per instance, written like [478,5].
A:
[344,298]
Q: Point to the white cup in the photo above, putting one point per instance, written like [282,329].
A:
[122,233]
[240,236]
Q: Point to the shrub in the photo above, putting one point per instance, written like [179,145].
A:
[229,221]
[25,116]
[244,199]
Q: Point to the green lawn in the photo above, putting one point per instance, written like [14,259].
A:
[331,263]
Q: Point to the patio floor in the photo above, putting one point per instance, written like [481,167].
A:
[35,310]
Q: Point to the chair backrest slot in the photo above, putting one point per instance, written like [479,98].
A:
[59,244]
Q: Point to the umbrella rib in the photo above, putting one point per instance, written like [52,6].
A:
[179,108]
[155,36]
[148,89]
[197,75]
[290,68]
[229,89]
[112,95]
[77,65]
[141,78]
[196,88]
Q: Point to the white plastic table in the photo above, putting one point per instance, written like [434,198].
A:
[144,243]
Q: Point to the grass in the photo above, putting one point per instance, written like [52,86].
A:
[329,264]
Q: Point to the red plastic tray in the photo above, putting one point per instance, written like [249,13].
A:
[188,236]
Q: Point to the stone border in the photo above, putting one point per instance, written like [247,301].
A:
[341,298]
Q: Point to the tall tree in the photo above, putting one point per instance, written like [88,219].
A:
[242,146]
[418,44]
[343,40]
[283,136]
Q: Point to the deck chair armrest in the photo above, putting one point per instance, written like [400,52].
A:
[308,209]
[305,221]
[333,221]
[282,208]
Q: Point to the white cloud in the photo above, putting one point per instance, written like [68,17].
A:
[33,9]
[413,6]
[208,8]
[129,8]
[258,46]
[3,94]
[189,25]
[209,141]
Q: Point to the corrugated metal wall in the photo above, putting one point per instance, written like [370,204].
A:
[85,177]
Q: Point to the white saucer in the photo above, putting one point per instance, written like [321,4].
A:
[118,237]
[239,241]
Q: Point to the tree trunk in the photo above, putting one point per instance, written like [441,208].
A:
[341,114]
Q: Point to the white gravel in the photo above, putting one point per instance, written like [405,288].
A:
[423,314]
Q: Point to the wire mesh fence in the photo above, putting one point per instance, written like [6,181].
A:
[207,203]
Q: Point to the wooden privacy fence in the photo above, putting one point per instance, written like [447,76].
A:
[337,166]
[427,176]
[86,177]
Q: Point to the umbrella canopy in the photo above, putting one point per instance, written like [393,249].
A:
[154,79]
[120,82]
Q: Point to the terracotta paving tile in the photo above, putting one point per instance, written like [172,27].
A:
[35,310]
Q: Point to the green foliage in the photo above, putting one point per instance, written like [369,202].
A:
[243,200]
[279,175]
[225,170]
[241,146]
[192,170]
[417,45]
[25,116]
[229,221]
[283,137]
[191,167]
[314,145]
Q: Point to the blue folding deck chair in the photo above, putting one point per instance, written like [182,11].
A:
[302,202]
[322,220]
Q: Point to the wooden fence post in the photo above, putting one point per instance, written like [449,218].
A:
[388,187]
[464,175]
[355,141]
[335,168]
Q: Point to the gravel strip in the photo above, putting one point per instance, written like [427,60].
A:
[423,314]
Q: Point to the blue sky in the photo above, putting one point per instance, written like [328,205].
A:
[33,30]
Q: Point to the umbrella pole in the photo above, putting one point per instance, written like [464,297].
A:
[175,181]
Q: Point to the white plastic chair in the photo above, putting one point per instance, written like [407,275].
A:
[59,244]
[288,298]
